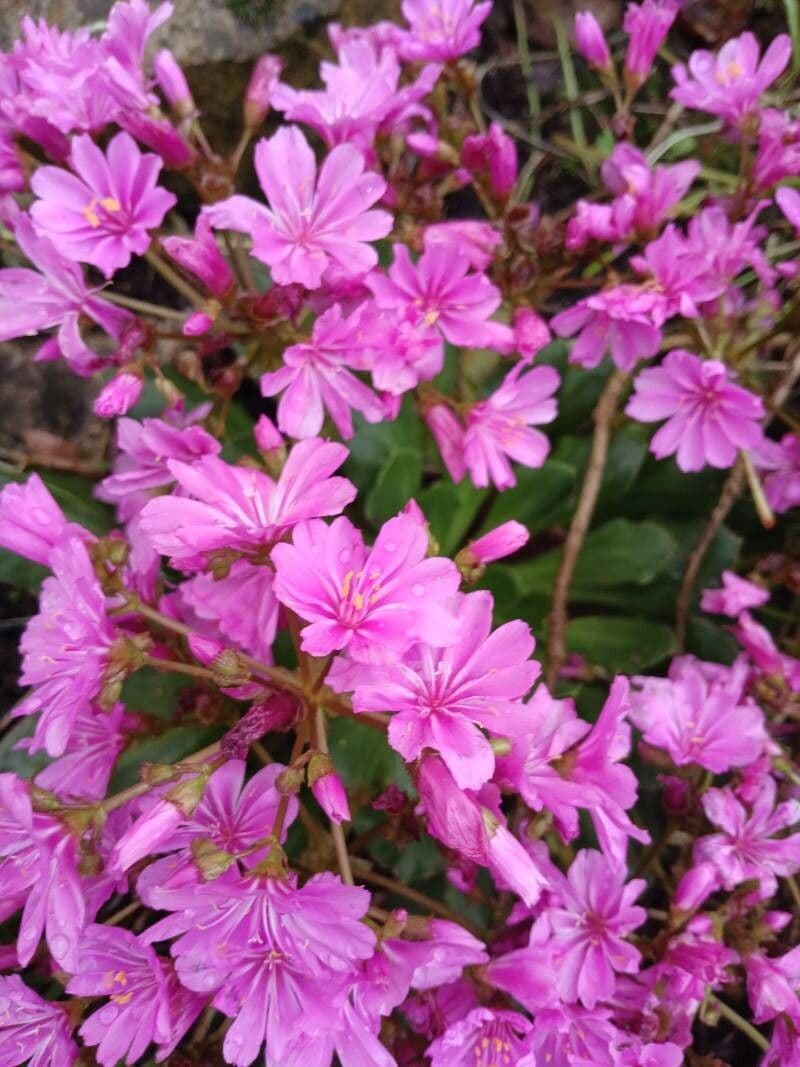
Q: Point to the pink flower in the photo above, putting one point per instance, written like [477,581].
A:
[96,739]
[314,221]
[624,320]
[747,846]
[439,697]
[399,348]
[502,541]
[442,31]
[645,195]
[678,275]
[145,1002]
[448,296]
[501,426]
[266,949]
[773,986]
[141,468]
[200,256]
[781,462]
[647,25]
[172,83]
[258,94]
[495,153]
[101,214]
[778,155]
[448,433]
[736,595]
[54,295]
[329,792]
[316,377]
[31,522]
[483,1036]
[531,333]
[240,509]
[118,396]
[66,647]
[590,41]
[731,83]
[709,418]
[219,600]
[375,603]
[707,723]
[759,644]
[32,1030]
[589,926]
[475,239]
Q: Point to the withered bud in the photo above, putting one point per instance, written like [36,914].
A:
[319,766]
[156,773]
[211,861]
[187,795]
[290,781]
[229,669]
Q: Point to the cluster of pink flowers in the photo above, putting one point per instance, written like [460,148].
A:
[607,869]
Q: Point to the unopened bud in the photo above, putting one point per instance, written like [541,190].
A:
[263,80]
[186,795]
[204,649]
[229,669]
[173,84]
[328,790]
[197,324]
[156,773]
[210,860]
[118,396]
[290,781]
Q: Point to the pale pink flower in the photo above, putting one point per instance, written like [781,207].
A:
[502,541]
[501,427]
[730,83]
[773,986]
[66,647]
[220,600]
[260,87]
[448,433]
[373,602]
[442,31]
[589,926]
[440,697]
[314,220]
[644,195]
[709,417]
[448,296]
[398,347]
[33,1030]
[145,1001]
[172,83]
[316,377]
[708,723]
[329,793]
[103,212]
[31,522]
[96,739]
[240,509]
[736,595]
[747,846]
[265,948]
[590,41]
[475,239]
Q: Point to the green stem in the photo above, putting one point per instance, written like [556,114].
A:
[570,84]
[793,18]
[534,103]
[144,306]
[741,1024]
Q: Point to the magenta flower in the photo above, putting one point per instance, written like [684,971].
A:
[330,794]
[500,427]
[778,155]
[54,295]
[316,377]
[709,723]
[448,433]
[773,986]
[96,739]
[442,31]
[502,541]
[31,522]
[258,94]
[448,296]
[735,596]
[66,647]
[624,320]
[647,25]
[219,601]
[589,927]
[781,463]
[644,195]
[747,846]
[709,418]
[590,40]
[475,239]
[730,84]
[495,154]
[118,396]
[141,468]
[439,697]
[266,949]
[200,256]
[375,603]
[32,1030]
[145,1002]
[103,212]
[314,220]
[483,1036]
[759,644]
[240,509]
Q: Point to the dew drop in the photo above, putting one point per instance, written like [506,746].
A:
[107,1015]
[59,946]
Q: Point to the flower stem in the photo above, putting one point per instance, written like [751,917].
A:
[163,268]
[144,306]
[570,85]
[422,899]
[337,833]
[741,1024]
[581,520]
[118,799]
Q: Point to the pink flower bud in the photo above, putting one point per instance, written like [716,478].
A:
[204,649]
[449,436]
[200,256]
[531,333]
[696,885]
[265,76]
[328,790]
[197,324]
[150,831]
[160,135]
[647,24]
[118,396]
[268,436]
[31,522]
[511,862]
[503,541]
[173,84]
[591,42]
[675,794]
[494,152]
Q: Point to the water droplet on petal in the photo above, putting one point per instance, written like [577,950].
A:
[58,945]
[107,1015]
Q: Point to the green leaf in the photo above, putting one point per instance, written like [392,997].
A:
[621,644]
[363,757]
[626,455]
[21,573]
[538,500]
[18,760]
[418,861]
[618,553]
[707,640]
[450,510]
[663,489]
[580,388]
[398,480]
[154,692]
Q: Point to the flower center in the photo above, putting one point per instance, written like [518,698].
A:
[96,210]
[359,591]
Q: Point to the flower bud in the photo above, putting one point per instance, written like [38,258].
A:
[591,42]
[696,885]
[201,257]
[263,80]
[203,648]
[494,152]
[173,84]
[229,669]
[118,396]
[160,135]
[290,781]
[146,835]
[647,24]
[503,541]
[448,433]
[327,787]
[509,859]
[197,324]
[531,333]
